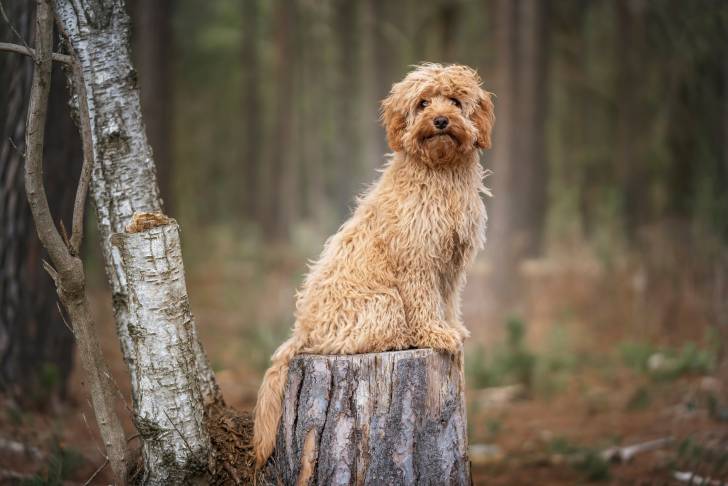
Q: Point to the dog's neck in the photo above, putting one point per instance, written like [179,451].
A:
[412,167]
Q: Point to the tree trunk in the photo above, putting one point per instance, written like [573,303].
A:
[519,164]
[448,14]
[167,392]
[32,333]
[282,175]
[346,163]
[124,178]
[632,178]
[252,112]
[387,56]
[382,418]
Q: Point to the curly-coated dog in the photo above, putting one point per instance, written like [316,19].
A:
[391,277]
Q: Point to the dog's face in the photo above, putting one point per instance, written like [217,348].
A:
[438,113]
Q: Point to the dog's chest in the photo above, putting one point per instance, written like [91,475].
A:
[445,224]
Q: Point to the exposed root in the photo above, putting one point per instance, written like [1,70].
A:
[231,432]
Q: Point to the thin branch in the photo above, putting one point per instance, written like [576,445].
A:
[27,51]
[35,132]
[88,156]
[171,422]
[625,454]
[14,30]
[90,432]
[64,234]
[63,317]
[51,272]
[93,476]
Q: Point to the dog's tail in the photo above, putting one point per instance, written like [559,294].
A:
[270,398]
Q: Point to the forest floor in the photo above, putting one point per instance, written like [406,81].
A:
[590,358]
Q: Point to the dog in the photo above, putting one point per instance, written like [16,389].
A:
[391,277]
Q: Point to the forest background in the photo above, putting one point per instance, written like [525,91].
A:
[602,295]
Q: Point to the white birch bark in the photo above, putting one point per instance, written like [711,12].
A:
[124,179]
[169,411]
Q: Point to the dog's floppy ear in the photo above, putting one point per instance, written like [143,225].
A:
[484,119]
[394,122]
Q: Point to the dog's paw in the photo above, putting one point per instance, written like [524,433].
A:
[441,337]
[461,330]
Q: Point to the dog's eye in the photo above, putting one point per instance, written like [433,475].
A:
[456,102]
[423,104]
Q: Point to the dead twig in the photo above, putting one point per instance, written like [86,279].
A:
[88,157]
[64,234]
[14,30]
[625,454]
[97,472]
[171,422]
[692,478]
[63,318]
[27,51]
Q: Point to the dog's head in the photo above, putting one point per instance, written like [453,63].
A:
[438,113]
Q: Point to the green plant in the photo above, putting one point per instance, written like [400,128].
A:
[60,466]
[593,466]
[668,363]
[511,363]
[586,460]
[635,354]
[640,399]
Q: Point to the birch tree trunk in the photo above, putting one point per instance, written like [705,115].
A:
[124,178]
[373,419]
[167,389]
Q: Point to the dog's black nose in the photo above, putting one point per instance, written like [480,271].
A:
[440,122]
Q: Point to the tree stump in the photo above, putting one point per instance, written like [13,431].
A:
[373,419]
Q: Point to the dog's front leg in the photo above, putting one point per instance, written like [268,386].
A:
[425,313]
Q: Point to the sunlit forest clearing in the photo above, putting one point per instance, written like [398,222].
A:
[599,308]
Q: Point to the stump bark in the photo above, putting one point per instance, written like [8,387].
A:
[374,419]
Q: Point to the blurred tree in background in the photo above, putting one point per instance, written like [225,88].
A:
[611,115]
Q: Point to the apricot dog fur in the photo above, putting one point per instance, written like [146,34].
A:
[391,277]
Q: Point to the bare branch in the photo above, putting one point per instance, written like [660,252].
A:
[63,318]
[14,30]
[64,234]
[88,156]
[51,271]
[67,269]
[27,51]
[625,454]
[96,473]
[35,132]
